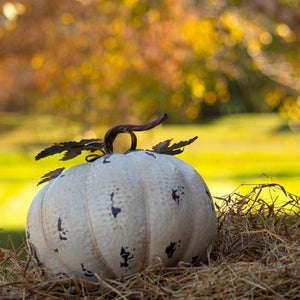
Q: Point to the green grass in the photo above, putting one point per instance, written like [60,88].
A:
[230,151]
[12,239]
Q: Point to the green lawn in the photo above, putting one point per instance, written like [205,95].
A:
[230,151]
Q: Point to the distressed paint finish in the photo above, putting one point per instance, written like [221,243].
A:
[114,215]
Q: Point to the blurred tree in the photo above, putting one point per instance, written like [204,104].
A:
[97,60]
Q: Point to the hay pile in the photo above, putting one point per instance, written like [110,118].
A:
[256,255]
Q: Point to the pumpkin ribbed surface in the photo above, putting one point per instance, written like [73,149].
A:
[113,216]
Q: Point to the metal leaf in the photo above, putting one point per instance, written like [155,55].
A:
[177,148]
[72,148]
[51,175]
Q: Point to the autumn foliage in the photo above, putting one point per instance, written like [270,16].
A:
[96,60]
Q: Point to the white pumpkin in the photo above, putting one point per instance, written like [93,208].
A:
[113,216]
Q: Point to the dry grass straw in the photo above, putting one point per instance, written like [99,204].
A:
[256,255]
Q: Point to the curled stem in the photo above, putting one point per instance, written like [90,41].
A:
[112,133]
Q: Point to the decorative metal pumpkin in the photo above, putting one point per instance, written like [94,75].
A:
[114,214]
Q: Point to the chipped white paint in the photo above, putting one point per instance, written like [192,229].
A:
[113,216]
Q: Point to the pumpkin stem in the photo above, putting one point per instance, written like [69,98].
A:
[112,133]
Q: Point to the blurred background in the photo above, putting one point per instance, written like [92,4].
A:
[226,71]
